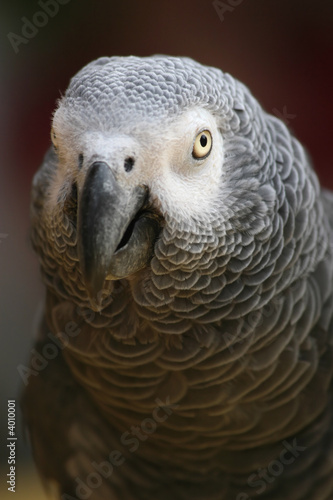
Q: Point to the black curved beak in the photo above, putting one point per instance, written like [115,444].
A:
[115,239]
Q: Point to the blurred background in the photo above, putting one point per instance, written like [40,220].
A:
[281,49]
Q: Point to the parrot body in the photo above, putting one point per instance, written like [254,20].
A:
[185,245]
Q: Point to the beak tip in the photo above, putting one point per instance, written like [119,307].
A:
[94,284]
[95,298]
[95,304]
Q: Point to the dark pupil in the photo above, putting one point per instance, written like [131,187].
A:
[203,140]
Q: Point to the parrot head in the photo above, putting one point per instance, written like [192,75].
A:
[155,156]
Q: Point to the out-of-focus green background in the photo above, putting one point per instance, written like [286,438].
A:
[283,50]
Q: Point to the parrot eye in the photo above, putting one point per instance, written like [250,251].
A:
[54,139]
[202,145]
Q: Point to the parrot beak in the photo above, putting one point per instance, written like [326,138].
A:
[116,234]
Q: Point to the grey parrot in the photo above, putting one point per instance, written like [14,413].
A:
[185,346]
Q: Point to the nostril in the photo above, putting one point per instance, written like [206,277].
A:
[128,163]
[80,160]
